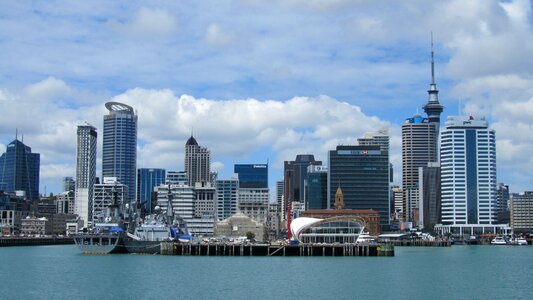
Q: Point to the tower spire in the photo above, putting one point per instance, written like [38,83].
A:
[433,108]
[432,61]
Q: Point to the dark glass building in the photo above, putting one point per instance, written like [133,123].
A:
[294,177]
[430,201]
[19,170]
[362,172]
[119,151]
[147,180]
[317,188]
[252,175]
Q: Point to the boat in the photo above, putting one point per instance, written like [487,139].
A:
[499,240]
[519,241]
[156,228]
[365,237]
[107,233]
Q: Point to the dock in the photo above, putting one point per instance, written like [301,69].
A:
[221,249]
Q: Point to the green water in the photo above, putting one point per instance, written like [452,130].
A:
[459,272]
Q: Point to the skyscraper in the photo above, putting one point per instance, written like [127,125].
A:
[19,170]
[295,174]
[468,173]
[85,172]
[197,162]
[147,180]
[419,147]
[362,172]
[119,151]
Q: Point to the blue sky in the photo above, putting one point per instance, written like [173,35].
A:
[261,80]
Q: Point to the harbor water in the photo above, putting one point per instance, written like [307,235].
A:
[457,272]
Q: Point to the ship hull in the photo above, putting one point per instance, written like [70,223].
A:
[100,243]
[142,247]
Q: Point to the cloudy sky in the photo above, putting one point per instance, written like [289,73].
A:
[261,80]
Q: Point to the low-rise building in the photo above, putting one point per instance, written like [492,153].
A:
[239,225]
[35,226]
[522,212]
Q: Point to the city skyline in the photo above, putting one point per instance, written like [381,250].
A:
[268,93]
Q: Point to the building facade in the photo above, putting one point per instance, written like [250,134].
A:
[106,193]
[68,184]
[19,170]
[227,197]
[316,191]
[85,172]
[119,150]
[430,195]
[197,162]
[252,175]
[65,203]
[468,172]
[363,174]
[419,147]
[253,202]
[147,180]
[522,212]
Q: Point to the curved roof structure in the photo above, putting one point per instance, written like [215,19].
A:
[119,107]
[300,224]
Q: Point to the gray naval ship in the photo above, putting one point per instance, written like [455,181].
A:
[156,228]
[107,233]
[128,233]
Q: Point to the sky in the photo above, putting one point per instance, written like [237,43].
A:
[261,81]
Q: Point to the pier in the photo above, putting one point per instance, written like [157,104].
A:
[220,249]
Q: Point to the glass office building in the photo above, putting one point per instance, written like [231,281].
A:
[363,174]
[119,151]
[147,180]
[19,170]
[252,175]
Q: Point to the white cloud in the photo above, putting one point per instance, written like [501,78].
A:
[48,88]
[148,22]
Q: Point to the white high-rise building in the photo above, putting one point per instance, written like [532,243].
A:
[85,172]
[183,197]
[468,176]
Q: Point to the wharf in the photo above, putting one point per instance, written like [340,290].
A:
[34,241]
[221,249]
[420,243]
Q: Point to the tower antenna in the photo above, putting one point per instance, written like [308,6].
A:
[432,61]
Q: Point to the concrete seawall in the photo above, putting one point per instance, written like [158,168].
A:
[34,241]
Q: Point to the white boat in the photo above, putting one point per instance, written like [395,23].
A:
[499,240]
[519,241]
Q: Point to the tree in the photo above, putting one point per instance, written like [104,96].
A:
[250,235]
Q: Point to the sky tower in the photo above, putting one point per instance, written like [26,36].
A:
[433,108]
